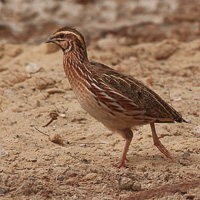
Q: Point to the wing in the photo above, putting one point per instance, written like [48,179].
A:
[132,95]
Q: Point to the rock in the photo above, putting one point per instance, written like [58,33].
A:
[197,129]
[32,159]
[126,183]
[3,152]
[136,186]
[2,191]
[149,81]
[15,78]
[185,155]
[8,91]
[70,181]
[184,162]
[189,196]
[165,49]
[82,145]
[32,68]
[56,138]
[43,83]
[90,176]
[54,90]
[51,48]
[15,52]
[60,178]
[178,99]
[85,160]
[62,115]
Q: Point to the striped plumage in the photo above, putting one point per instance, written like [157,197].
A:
[118,101]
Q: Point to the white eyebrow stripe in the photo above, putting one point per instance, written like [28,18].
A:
[69,32]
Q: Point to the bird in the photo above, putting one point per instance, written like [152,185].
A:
[120,102]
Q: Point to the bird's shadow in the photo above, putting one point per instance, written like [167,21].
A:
[156,160]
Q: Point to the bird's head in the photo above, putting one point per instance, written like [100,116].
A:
[68,39]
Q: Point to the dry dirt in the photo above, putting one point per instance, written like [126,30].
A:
[73,156]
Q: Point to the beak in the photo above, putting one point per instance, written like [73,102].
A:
[55,41]
[50,40]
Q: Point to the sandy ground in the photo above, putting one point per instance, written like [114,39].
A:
[73,156]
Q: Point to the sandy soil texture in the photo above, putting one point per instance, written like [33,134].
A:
[73,156]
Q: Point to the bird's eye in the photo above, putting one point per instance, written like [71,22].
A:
[62,35]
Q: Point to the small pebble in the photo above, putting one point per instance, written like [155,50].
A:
[125,183]
[165,49]
[178,99]
[15,52]
[90,176]
[149,81]
[62,115]
[136,186]
[189,196]
[54,90]
[129,183]
[3,153]
[60,178]
[32,159]
[2,191]
[84,160]
[185,155]
[56,138]
[184,162]
[197,129]
[104,142]
[8,91]
[32,68]
[18,78]
[70,181]
[44,82]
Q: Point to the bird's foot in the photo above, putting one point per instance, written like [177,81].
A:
[161,147]
[158,144]
[121,163]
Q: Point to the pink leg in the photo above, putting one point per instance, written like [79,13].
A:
[128,135]
[158,144]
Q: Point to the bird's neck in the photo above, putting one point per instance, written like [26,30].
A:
[75,67]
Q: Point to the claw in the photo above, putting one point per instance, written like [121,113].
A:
[121,163]
[158,144]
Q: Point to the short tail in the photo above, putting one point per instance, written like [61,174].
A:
[182,120]
[186,121]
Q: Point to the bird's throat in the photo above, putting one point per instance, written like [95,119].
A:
[75,68]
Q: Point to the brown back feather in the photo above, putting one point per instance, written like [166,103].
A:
[146,99]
